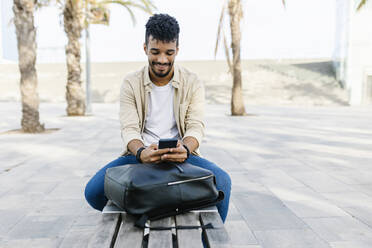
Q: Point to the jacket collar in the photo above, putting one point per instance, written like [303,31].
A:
[175,80]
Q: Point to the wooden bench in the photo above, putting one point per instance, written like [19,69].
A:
[117,230]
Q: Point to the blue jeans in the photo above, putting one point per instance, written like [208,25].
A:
[94,192]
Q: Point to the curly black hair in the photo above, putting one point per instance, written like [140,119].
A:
[162,27]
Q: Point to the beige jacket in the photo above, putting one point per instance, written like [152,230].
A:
[188,105]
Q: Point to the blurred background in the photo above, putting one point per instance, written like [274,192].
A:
[302,53]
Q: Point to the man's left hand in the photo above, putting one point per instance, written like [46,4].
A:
[178,154]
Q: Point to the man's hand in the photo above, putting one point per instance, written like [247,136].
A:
[178,154]
[152,154]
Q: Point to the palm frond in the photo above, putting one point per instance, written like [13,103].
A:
[220,27]
[149,5]
[283,2]
[361,4]
[42,3]
[129,3]
[131,14]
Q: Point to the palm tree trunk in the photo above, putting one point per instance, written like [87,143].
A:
[26,34]
[237,103]
[73,16]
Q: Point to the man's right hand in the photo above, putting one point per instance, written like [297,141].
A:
[152,154]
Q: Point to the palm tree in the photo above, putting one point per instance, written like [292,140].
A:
[361,4]
[26,34]
[73,17]
[236,14]
[75,20]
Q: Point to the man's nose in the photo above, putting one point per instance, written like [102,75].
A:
[162,59]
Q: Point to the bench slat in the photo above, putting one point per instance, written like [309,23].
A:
[129,235]
[111,208]
[188,238]
[218,236]
[106,231]
[207,209]
[160,239]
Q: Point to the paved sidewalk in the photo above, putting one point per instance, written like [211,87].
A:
[302,177]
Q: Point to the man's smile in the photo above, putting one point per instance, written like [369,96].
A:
[161,67]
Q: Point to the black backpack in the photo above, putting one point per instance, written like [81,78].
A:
[154,191]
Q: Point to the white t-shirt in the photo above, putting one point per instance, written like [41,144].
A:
[160,122]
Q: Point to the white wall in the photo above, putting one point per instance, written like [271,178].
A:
[343,11]
[7,32]
[1,35]
[305,29]
[359,62]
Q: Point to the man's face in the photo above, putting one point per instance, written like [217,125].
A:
[161,56]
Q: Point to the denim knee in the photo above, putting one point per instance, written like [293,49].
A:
[226,179]
[94,190]
[95,195]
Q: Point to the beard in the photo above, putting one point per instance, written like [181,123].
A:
[160,74]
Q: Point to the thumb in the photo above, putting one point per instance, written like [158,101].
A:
[153,146]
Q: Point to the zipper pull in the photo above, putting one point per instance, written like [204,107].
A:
[179,168]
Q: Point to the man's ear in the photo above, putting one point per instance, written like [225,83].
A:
[177,50]
[145,47]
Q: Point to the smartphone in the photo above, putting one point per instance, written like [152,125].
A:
[167,143]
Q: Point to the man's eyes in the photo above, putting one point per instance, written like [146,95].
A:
[168,53]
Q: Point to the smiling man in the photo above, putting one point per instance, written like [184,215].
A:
[162,100]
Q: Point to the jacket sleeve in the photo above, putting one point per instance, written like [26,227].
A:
[194,119]
[129,120]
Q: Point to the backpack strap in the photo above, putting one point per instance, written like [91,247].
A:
[141,221]
[160,228]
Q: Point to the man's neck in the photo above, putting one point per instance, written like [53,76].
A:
[161,81]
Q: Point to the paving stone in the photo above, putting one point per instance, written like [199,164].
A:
[337,229]
[37,242]
[304,238]
[20,174]
[365,188]
[34,188]
[275,177]
[61,207]
[362,213]
[321,182]
[354,176]
[34,227]
[279,161]
[9,218]
[265,212]
[321,162]
[259,164]
[288,165]
[4,189]
[221,158]
[78,237]
[13,159]
[239,233]
[351,244]
[19,201]
[50,174]
[88,219]
[242,155]
[70,189]
[349,199]
[246,246]
[240,182]
[305,202]
[233,213]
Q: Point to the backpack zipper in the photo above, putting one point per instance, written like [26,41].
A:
[190,180]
